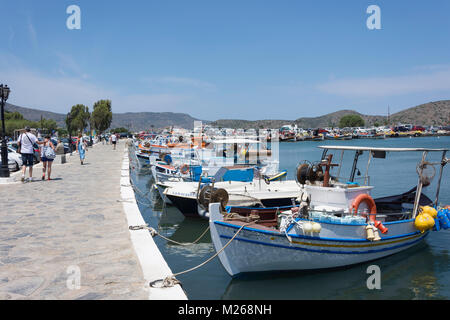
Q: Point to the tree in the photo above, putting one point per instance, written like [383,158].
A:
[77,119]
[101,115]
[351,120]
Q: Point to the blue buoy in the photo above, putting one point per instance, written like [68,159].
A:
[447,212]
[444,221]
[437,226]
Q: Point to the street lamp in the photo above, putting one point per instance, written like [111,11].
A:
[4,170]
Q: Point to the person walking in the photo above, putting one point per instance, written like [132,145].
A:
[114,140]
[47,157]
[26,143]
[81,148]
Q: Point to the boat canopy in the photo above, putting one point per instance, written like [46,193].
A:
[355,148]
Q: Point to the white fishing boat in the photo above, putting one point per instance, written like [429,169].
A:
[193,198]
[336,224]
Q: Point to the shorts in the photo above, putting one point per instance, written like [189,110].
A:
[44,159]
[114,142]
[28,159]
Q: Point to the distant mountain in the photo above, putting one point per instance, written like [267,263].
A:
[428,114]
[35,114]
[432,113]
[135,121]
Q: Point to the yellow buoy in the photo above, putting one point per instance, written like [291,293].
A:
[424,222]
[429,210]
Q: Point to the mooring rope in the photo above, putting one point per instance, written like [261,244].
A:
[170,281]
[154,233]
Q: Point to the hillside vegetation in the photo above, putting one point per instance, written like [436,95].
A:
[433,113]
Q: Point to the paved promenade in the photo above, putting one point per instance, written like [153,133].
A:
[51,230]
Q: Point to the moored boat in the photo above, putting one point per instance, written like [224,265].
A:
[336,224]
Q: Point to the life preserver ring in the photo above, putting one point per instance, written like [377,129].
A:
[184,169]
[369,201]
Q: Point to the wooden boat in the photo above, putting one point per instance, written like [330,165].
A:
[330,228]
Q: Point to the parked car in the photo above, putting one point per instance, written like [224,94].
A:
[16,157]
[418,128]
[400,129]
[36,154]
[14,160]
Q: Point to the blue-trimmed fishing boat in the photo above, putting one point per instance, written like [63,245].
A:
[336,224]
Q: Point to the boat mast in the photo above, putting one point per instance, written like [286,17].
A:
[443,163]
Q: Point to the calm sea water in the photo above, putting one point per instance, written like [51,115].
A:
[422,272]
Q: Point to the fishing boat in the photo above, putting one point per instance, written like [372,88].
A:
[235,186]
[337,223]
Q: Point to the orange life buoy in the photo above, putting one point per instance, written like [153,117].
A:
[373,210]
[184,169]
[369,201]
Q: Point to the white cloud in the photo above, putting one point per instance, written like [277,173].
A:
[436,79]
[33,89]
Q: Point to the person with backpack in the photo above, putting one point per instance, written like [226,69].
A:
[26,143]
[47,156]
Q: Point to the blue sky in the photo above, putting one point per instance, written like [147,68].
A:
[216,59]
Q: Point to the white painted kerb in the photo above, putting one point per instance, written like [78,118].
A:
[152,262]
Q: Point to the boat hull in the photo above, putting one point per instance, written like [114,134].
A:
[255,250]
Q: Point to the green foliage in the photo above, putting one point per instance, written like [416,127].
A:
[120,130]
[13,116]
[15,121]
[62,132]
[78,118]
[101,115]
[351,120]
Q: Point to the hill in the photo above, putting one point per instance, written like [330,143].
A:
[428,114]
[432,113]
[35,114]
[136,121]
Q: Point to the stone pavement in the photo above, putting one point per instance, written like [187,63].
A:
[68,238]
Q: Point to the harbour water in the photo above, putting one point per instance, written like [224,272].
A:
[422,272]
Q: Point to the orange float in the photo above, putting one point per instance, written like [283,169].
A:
[367,199]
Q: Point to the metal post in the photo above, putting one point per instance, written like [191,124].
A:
[4,169]
[355,162]
[419,186]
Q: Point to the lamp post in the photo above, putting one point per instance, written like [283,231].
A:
[4,170]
